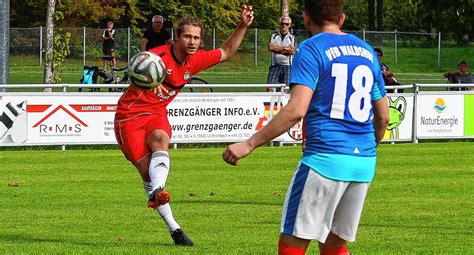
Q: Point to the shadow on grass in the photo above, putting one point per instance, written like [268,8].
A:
[31,240]
[227,202]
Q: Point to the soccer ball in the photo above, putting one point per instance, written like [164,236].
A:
[147,70]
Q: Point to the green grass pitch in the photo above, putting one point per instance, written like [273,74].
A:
[92,201]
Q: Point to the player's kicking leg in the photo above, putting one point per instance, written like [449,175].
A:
[154,170]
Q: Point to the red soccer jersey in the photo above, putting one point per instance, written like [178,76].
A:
[136,101]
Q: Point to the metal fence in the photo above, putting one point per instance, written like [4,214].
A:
[86,43]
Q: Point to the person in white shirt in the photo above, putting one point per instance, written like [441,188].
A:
[282,46]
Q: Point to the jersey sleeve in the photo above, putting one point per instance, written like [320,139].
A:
[272,39]
[305,68]
[205,59]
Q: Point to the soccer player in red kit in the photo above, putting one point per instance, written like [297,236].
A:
[141,123]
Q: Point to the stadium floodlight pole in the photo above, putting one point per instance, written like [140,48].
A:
[4,41]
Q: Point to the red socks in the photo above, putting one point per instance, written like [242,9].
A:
[335,251]
[285,249]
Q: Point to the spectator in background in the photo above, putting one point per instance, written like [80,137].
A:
[388,76]
[108,45]
[156,35]
[282,46]
[462,75]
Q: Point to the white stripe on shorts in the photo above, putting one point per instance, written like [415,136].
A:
[315,205]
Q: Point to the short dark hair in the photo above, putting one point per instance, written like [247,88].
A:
[189,21]
[379,51]
[462,62]
[323,11]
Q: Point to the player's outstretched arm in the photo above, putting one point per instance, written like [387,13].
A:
[381,118]
[284,120]
[230,46]
[143,43]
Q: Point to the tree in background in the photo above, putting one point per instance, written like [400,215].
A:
[61,46]
[454,17]
[371,14]
[448,16]
[380,14]
[219,14]
[88,13]
[48,66]
[57,46]
[370,9]
[28,13]
[215,13]
[32,13]
[357,15]
[285,11]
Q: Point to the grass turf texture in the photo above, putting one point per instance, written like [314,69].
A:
[92,201]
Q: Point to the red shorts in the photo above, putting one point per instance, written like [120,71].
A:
[131,134]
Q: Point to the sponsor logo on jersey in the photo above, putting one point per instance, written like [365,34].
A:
[187,75]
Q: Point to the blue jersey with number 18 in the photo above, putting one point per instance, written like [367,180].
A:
[345,75]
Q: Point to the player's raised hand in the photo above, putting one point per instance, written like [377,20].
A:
[236,151]
[246,15]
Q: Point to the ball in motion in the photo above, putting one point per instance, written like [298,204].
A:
[146,70]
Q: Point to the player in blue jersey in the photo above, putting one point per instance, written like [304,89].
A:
[337,86]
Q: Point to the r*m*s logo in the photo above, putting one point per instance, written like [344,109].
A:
[440,105]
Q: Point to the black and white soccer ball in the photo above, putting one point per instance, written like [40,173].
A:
[146,70]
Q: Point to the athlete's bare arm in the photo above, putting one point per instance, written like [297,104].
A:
[284,120]
[143,43]
[230,46]
[381,118]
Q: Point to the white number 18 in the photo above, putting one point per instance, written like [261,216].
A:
[361,95]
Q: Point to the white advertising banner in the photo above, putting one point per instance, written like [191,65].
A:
[219,118]
[57,118]
[440,116]
[401,118]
